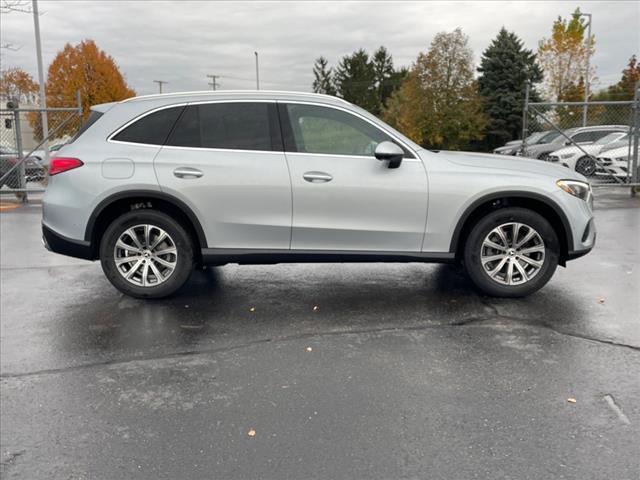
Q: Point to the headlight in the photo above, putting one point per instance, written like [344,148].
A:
[566,155]
[576,188]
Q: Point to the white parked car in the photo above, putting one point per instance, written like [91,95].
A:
[583,159]
[615,163]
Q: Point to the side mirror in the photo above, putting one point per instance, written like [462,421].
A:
[390,152]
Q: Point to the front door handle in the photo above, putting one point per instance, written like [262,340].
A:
[317,177]
[187,172]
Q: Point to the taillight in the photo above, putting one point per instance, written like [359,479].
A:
[63,164]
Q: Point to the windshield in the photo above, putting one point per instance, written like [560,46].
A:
[608,138]
[534,137]
[549,137]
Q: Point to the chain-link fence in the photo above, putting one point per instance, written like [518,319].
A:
[26,147]
[598,139]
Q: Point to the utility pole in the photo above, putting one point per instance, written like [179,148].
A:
[43,98]
[213,83]
[257,72]
[160,83]
[586,76]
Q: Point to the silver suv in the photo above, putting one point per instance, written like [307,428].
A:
[154,186]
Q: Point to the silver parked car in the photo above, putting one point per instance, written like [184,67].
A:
[512,147]
[153,186]
[579,135]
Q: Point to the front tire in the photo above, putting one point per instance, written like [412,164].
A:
[511,252]
[146,254]
[586,166]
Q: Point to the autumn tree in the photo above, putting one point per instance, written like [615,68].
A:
[322,73]
[625,88]
[16,83]
[85,68]
[438,105]
[563,57]
[505,70]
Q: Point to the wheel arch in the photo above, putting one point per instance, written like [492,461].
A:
[533,201]
[117,204]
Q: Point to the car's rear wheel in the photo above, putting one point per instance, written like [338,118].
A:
[586,166]
[146,254]
[512,252]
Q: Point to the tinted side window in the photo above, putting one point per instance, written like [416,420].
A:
[598,134]
[237,126]
[152,129]
[327,130]
[583,137]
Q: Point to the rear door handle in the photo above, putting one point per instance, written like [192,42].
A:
[187,172]
[317,177]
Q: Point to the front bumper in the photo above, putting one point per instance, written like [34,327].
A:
[54,242]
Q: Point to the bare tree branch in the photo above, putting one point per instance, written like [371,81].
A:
[23,6]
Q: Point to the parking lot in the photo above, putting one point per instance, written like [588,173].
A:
[321,371]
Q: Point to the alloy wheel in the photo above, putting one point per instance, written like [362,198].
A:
[512,253]
[145,255]
[586,166]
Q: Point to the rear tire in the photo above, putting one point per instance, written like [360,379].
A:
[146,254]
[502,266]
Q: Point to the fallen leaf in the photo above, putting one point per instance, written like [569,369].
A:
[601,300]
[251,433]
[309,349]
[571,400]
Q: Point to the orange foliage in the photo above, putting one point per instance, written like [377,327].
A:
[86,68]
[15,82]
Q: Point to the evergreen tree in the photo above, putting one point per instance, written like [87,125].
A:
[355,80]
[505,69]
[384,76]
[323,83]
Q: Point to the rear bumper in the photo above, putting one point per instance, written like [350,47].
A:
[57,243]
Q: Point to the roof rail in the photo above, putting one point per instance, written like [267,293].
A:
[225,92]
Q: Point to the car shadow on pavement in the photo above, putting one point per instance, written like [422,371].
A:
[223,307]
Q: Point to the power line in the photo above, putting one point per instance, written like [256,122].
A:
[213,81]
[160,83]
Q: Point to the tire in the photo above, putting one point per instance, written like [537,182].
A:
[586,166]
[152,279]
[538,257]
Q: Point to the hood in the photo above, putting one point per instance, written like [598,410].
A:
[615,145]
[590,149]
[504,162]
[620,152]
[508,148]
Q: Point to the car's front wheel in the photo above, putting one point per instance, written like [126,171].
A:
[146,254]
[586,166]
[511,252]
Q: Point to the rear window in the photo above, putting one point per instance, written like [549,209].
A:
[94,116]
[237,126]
[152,129]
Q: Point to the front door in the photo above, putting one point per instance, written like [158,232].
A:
[343,197]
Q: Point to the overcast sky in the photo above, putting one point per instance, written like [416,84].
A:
[182,42]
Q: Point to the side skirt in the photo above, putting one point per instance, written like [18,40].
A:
[242,256]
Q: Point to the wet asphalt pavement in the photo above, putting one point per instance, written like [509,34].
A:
[400,371]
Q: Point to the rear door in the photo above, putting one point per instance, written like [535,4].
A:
[343,197]
[225,160]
